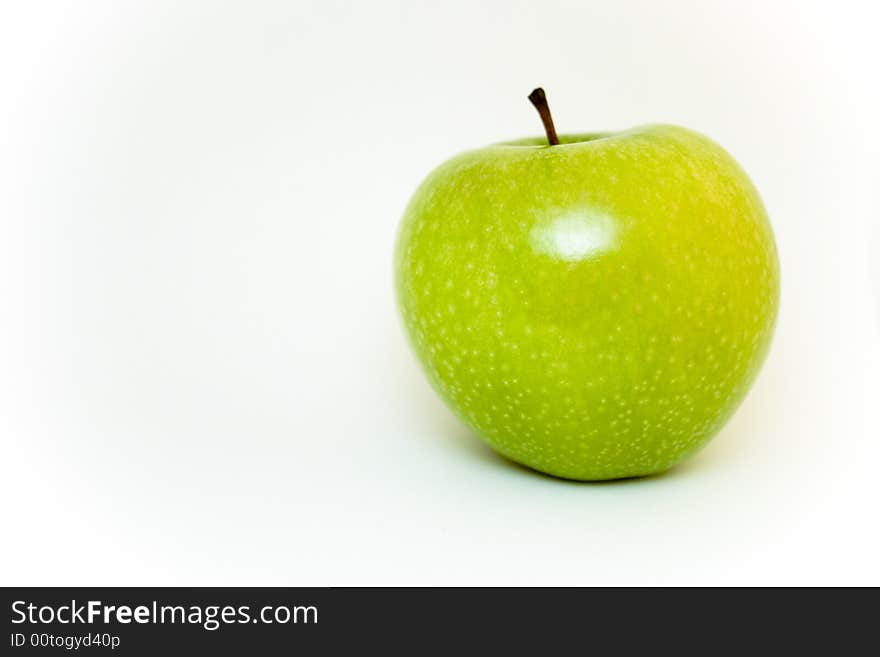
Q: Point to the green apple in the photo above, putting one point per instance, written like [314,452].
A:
[595,308]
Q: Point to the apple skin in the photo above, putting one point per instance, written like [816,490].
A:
[596,309]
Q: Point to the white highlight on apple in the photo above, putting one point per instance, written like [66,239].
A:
[575,236]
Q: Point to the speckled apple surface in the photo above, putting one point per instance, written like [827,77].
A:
[595,309]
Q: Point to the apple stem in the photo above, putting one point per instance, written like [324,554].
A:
[539,100]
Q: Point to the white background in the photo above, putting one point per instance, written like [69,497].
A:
[202,375]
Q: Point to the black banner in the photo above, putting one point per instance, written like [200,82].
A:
[150,621]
